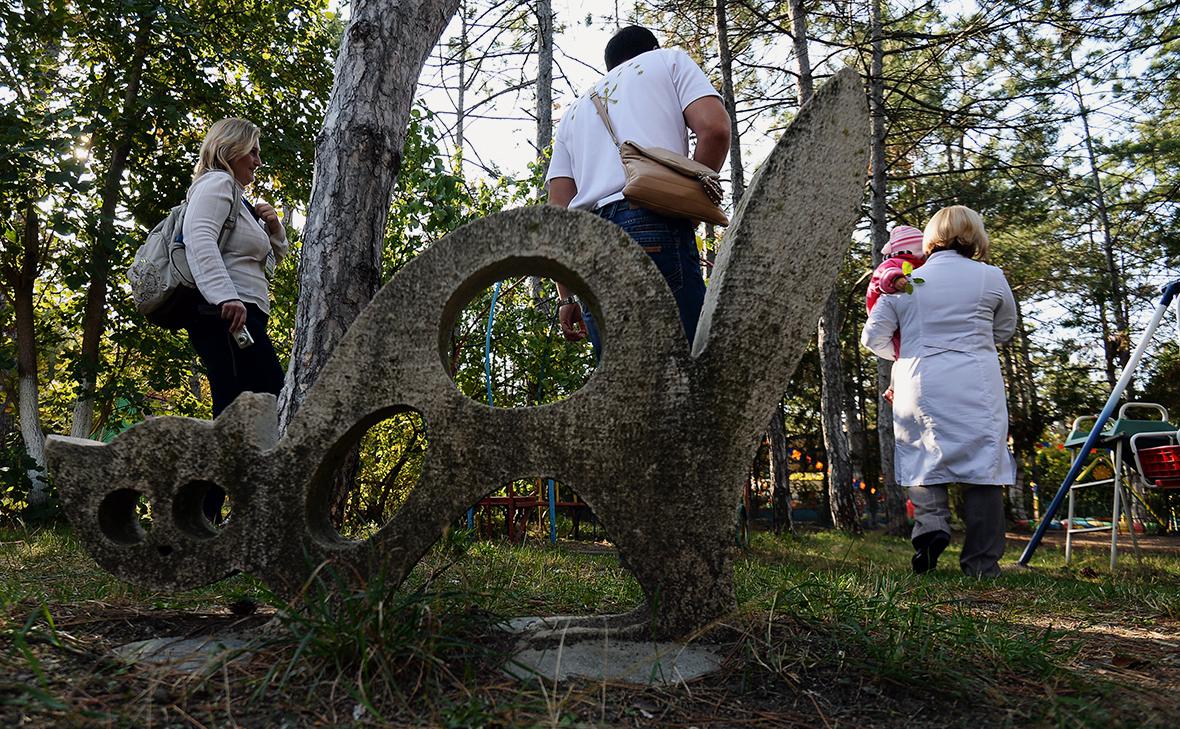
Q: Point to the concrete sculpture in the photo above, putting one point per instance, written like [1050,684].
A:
[658,442]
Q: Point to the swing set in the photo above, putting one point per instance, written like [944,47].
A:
[1142,454]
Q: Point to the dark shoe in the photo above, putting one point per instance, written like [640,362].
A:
[927,548]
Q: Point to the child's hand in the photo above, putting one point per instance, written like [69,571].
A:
[898,284]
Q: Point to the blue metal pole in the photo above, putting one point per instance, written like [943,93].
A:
[487,371]
[1170,292]
[552,511]
[487,343]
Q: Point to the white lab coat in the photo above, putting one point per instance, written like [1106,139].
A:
[950,416]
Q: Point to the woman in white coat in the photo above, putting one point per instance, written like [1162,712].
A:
[950,414]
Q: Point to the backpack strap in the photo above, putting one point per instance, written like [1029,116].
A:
[231,220]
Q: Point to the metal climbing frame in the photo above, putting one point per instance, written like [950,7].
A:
[1116,439]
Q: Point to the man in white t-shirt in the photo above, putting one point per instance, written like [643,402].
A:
[654,97]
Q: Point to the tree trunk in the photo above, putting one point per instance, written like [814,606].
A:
[461,93]
[1118,343]
[544,105]
[803,59]
[780,473]
[728,95]
[94,319]
[544,75]
[358,155]
[1025,415]
[895,498]
[843,504]
[20,283]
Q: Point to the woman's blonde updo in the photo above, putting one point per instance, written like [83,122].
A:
[956,228]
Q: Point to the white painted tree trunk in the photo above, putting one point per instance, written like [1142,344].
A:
[358,156]
[19,277]
[34,438]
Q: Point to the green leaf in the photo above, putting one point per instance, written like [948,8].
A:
[907,268]
[909,288]
[919,280]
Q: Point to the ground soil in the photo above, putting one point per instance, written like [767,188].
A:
[86,685]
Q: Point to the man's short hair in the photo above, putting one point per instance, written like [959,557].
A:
[628,43]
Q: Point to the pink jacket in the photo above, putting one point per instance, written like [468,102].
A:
[885,281]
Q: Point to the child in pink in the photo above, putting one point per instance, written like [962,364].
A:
[904,246]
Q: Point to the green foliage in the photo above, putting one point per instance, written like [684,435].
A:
[15,464]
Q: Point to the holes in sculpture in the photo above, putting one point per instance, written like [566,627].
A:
[526,360]
[387,465]
[201,509]
[125,516]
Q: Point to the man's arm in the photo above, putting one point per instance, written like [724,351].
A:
[709,121]
[562,190]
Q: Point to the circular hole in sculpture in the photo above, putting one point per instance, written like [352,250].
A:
[507,348]
[201,509]
[125,516]
[376,476]
[164,550]
[535,510]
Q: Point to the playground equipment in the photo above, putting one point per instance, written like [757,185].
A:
[1096,431]
[1114,461]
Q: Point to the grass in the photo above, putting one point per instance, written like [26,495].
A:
[830,629]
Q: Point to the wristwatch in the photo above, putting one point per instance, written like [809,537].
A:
[566,300]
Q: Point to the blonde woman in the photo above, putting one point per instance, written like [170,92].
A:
[229,243]
[950,414]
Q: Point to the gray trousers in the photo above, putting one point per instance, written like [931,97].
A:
[983,513]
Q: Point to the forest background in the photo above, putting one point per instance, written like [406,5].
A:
[1056,120]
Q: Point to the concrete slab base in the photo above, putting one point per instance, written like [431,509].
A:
[546,651]
[200,656]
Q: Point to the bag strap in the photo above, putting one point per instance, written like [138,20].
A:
[231,220]
[600,105]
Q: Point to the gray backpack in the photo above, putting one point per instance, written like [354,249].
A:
[162,284]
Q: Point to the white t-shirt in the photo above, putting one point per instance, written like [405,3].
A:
[646,98]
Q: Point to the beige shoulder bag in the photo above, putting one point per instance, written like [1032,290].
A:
[666,182]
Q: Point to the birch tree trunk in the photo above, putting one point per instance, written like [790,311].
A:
[19,281]
[840,496]
[94,319]
[358,155]
[895,498]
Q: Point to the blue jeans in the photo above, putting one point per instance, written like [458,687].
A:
[671,244]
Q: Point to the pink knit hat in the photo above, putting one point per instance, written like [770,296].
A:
[904,239]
